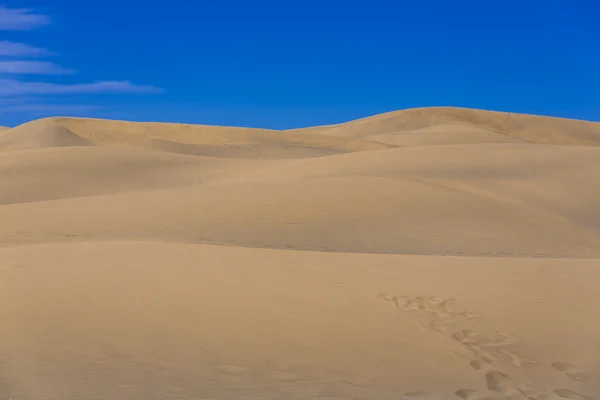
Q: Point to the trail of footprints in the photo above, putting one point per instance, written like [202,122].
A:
[483,351]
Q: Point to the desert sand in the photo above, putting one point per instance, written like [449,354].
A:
[423,254]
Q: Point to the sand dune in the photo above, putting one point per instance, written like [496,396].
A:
[489,124]
[187,139]
[66,172]
[499,200]
[40,134]
[425,254]
[157,320]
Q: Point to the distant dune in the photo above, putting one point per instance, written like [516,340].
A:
[423,254]
[448,125]
[178,138]
[330,188]
[405,128]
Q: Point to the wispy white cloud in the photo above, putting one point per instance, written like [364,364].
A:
[11,87]
[21,19]
[33,67]
[40,99]
[14,49]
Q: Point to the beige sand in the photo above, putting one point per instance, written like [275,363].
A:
[425,254]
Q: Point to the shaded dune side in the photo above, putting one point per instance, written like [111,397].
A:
[40,134]
[494,200]
[517,127]
[444,134]
[65,172]
[267,150]
[107,131]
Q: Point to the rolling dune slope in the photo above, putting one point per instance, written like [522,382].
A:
[132,320]
[469,125]
[424,254]
[65,172]
[516,200]
[38,135]
[179,138]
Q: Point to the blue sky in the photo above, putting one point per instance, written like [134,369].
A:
[283,64]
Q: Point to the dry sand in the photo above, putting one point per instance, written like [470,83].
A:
[425,254]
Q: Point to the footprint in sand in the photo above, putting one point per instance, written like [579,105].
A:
[442,326]
[471,316]
[518,361]
[481,344]
[466,394]
[501,339]
[468,336]
[474,352]
[388,297]
[570,370]
[470,394]
[445,326]
[571,395]
[440,306]
[481,364]
[410,304]
[500,382]
[531,393]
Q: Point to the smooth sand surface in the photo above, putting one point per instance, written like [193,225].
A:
[425,254]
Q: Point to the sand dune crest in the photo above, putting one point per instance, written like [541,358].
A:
[517,127]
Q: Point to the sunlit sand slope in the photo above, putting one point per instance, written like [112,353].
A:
[498,200]
[155,321]
[443,125]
